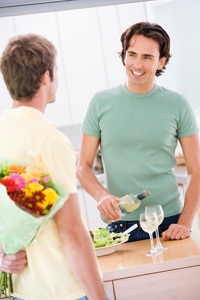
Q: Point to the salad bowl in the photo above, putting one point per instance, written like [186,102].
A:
[106,242]
[101,251]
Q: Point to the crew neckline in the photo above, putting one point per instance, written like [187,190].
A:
[136,95]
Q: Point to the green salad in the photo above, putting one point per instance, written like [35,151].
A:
[102,237]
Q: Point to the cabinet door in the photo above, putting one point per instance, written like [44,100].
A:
[109,288]
[93,214]
[180,284]
[81,198]
[89,210]
[89,206]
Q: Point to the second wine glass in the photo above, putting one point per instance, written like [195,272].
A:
[149,225]
[156,208]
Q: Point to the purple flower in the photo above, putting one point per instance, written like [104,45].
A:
[34,180]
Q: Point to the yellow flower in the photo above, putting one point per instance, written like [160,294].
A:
[44,203]
[32,187]
[50,195]
[27,177]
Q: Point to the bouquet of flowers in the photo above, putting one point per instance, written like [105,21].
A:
[28,198]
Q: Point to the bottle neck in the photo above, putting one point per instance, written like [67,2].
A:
[143,195]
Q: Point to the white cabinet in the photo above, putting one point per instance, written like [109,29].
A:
[92,213]
[81,197]
[184,285]
[109,288]
[89,208]
[171,274]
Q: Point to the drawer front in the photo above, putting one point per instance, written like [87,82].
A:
[182,284]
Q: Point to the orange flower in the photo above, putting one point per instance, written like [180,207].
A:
[16,169]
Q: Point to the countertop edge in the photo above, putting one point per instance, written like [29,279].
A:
[146,270]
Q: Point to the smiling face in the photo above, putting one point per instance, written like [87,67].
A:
[142,60]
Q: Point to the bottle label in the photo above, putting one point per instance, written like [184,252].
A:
[129,207]
[124,211]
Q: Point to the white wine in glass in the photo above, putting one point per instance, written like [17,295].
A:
[149,225]
[157,208]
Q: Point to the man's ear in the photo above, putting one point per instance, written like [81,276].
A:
[45,77]
[162,62]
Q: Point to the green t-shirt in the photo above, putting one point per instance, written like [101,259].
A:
[138,135]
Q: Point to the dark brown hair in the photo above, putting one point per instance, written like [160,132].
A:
[148,30]
[25,59]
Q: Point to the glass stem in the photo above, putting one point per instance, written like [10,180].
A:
[152,243]
[157,238]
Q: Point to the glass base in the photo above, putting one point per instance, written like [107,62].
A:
[161,247]
[153,252]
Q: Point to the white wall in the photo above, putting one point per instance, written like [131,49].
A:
[88,41]
[181,19]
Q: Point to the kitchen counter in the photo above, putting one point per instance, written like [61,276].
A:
[173,274]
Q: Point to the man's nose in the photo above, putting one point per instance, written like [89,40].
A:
[137,63]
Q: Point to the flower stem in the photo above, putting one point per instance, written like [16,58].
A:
[6,285]
[11,283]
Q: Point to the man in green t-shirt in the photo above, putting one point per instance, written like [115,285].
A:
[137,126]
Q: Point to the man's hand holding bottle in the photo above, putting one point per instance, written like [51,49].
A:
[109,208]
[113,208]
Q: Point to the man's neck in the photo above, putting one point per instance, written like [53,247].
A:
[138,89]
[32,103]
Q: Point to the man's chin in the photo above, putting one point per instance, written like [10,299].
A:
[52,100]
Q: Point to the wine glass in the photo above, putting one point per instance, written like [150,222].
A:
[157,208]
[149,225]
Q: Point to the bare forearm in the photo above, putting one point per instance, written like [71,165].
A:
[78,249]
[192,201]
[90,183]
[107,203]
[82,260]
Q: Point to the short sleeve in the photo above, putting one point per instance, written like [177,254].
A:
[90,124]
[187,124]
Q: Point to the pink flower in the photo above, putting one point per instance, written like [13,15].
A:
[19,180]
[46,179]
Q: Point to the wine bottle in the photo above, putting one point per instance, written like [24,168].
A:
[129,203]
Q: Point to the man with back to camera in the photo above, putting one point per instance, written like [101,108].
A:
[137,126]
[62,265]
